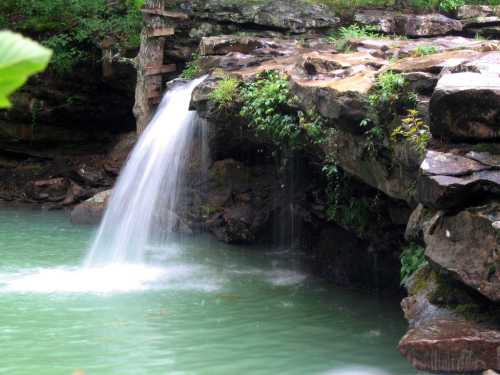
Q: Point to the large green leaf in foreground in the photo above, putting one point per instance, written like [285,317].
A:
[20,57]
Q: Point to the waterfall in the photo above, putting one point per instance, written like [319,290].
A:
[144,198]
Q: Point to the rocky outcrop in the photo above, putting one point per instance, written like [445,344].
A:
[296,16]
[447,180]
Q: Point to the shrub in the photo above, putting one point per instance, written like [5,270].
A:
[268,105]
[450,5]
[414,130]
[423,50]
[225,92]
[412,258]
[387,89]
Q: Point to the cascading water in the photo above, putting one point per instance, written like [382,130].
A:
[145,196]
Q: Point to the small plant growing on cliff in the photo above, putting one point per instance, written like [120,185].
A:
[425,50]
[413,129]
[412,258]
[225,91]
[449,6]
[346,33]
[269,106]
[192,68]
[388,87]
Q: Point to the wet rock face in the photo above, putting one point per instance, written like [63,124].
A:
[451,346]
[238,203]
[466,244]
[296,16]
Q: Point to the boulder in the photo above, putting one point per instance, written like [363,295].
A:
[443,345]
[296,16]
[466,245]
[466,106]
[421,25]
[471,11]
[342,101]
[412,25]
[91,211]
[446,180]
[443,163]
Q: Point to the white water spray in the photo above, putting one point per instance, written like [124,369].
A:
[145,196]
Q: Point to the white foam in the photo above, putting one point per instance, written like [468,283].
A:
[119,278]
[282,277]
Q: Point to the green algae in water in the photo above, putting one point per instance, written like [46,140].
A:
[215,309]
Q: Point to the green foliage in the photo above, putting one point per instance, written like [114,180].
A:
[66,56]
[348,33]
[19,58]
[269,107]
[450,5]
[388,88]
[192,68]
[412,258]
[423,50]
[414,130]
[225,92]
[74,28]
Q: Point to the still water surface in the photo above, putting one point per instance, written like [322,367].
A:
[204,309]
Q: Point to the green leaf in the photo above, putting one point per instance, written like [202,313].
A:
[20,57]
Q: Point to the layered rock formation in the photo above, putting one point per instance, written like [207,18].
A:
[455,183]
[450,178]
